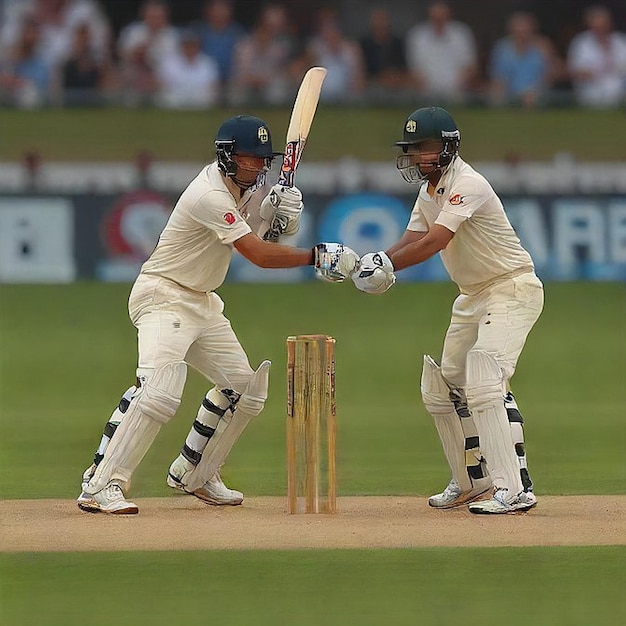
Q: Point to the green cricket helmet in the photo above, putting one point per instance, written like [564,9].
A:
[424,124]
[243,135]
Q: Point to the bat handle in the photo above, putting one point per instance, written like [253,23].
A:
[286,177]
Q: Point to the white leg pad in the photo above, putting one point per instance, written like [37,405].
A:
[436,397]
[228,431]
[484,395]
[153,405]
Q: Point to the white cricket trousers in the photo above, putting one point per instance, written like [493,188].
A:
[177,324]
[497,321]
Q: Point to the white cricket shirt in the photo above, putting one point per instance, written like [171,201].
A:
[196,245]
[485,247]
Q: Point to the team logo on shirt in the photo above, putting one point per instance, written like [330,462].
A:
[229,218]
[457,198]
[263,134]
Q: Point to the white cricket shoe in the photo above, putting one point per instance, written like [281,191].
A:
[86,499]
[214,491]
[453,496]
[111,500]
[501,504]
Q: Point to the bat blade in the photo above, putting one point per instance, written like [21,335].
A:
[300,123]
[297,133]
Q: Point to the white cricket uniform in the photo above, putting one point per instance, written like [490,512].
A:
[173,303]
[500,295]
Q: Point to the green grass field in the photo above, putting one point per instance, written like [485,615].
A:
[438,587]
[338,132]
[69,351]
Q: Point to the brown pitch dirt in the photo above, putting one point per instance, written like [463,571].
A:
[184,523]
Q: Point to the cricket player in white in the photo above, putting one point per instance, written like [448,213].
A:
[180,322]
[458,214]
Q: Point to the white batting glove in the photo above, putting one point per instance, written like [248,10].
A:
[334,262]
[281,209]
[374,273]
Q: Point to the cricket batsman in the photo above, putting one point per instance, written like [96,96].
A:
[180,322]
[458,214]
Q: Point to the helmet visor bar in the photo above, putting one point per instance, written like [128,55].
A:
[409,169]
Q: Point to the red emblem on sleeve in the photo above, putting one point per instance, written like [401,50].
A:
[457,198]
[229,218]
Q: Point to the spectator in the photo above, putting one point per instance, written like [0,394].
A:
[261,69]
[152,31]
[343,59]
[82,76]
[58,20]
[597,61]
[138,82]
[219,34]
[25,75]
[188,79]
[441,55]
[522,64]
[383,54]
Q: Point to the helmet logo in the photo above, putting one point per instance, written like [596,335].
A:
[263,134]
[411,126]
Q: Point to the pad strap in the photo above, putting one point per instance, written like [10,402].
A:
[228,431]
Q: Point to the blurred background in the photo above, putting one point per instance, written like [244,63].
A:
[109,108]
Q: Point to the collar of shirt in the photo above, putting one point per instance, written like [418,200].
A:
[217,179]
[448,176]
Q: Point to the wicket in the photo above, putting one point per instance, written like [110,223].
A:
[311,424]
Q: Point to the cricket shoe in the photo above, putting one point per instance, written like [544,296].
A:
[453,496]
[214,491]
[111,500]
[85,498]
[501,504]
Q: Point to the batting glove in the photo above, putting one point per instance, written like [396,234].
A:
[334,262]
[281,209]
[374,273]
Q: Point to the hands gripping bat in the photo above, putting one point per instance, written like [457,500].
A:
[298,132]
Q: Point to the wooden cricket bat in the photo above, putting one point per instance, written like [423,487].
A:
[298,131]
[300,123]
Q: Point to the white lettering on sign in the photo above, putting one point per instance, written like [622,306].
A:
[579,230]
[617,231]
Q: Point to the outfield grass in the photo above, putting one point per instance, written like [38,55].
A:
[364,133]
[69,351]
[541,586]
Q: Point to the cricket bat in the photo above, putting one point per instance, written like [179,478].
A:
[297,133]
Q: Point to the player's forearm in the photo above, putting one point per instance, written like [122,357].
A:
[408,237]
[420,247]
[414,253]
[273,255]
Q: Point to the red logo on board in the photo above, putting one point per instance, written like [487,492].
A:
[229,218]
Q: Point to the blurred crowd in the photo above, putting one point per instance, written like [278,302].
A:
[66,52]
